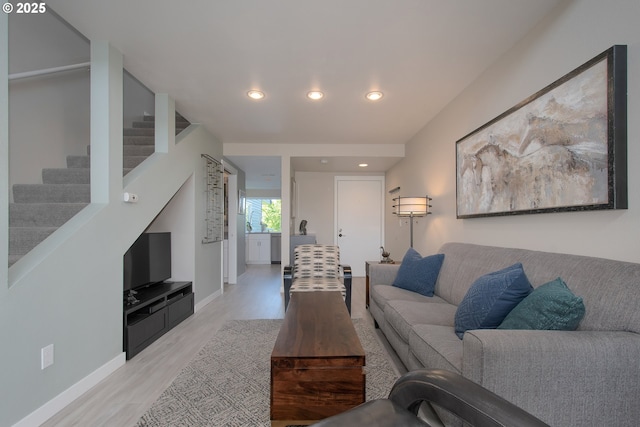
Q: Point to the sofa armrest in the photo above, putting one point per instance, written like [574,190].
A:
[382,274]
[562,377]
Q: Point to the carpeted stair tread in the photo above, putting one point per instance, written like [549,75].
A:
[147,124]
[144,124]
[23,239]
[51,193]
[138,140]
[138,132]
[75,161]
[42,214]
[179,119]
[138,150]
[150,124]
[66,176]
[85,161]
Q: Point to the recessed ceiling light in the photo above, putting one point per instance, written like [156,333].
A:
[255,94]
[374,96]
[324,161]
[315,95]
[363,165]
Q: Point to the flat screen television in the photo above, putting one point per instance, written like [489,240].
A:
[148,261]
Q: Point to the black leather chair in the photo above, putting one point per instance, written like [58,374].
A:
[463,398]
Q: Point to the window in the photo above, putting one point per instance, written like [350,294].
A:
[263,215]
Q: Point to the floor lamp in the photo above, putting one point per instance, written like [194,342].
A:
[411,207]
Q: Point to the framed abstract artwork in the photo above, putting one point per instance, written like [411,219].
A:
[562,149]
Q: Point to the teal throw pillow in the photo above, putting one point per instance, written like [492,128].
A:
[490,298]
[418,274]
[551,306]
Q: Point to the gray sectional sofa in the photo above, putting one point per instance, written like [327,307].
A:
[586,377]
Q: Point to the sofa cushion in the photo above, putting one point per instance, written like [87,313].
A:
[490,298]
[551,306]
[383,293]
[403,315]
[436,347]
[418,274]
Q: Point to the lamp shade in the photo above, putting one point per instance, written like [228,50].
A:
[411,206]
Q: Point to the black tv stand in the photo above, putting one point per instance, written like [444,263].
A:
[158,309]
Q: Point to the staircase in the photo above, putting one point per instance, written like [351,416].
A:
[39,209]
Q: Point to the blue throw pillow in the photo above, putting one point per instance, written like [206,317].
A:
[419,274]
[551,306]
[491,298]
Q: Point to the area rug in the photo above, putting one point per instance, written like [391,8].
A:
[227,383]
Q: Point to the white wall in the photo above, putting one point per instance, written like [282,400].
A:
[314,202]
[576,32]
[178,217]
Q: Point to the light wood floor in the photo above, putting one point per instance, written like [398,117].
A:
[122,398]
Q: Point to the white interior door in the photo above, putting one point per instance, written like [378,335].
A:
[359,215]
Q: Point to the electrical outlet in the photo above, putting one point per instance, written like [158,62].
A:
[46,356]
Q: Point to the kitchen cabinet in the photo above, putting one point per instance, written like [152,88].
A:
[258,248]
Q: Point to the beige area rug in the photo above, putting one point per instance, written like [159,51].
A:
[227,383]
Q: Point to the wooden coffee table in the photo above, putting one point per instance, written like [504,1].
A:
[317,363]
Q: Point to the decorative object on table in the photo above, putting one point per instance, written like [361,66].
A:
[411,207]
[385,257]
[562,149]
[303,227]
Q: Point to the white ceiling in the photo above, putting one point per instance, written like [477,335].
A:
[206,54]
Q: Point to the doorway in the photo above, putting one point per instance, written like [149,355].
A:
[359,220]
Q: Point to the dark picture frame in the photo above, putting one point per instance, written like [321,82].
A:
[562,149]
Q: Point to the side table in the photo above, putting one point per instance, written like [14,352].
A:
[366,278]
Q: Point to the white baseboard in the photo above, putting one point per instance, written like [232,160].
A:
[55,405]
[207,300]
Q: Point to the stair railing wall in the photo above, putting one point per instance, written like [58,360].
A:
[73,280]
[49,109]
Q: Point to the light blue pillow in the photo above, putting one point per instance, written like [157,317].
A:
[491,298]
[551,306]
[419,274]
